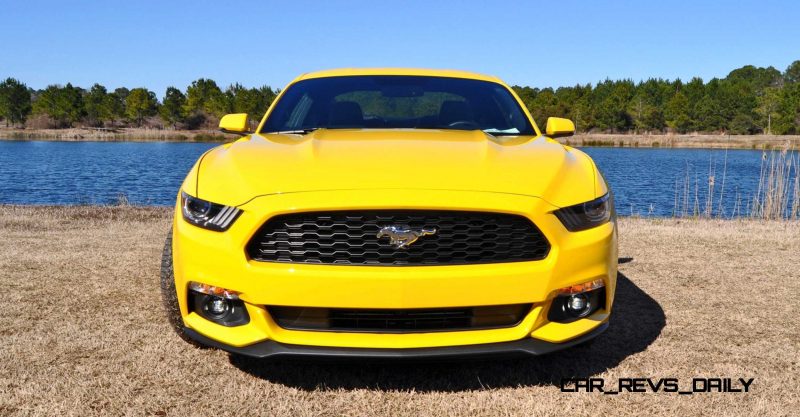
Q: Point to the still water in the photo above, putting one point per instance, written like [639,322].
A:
[149,173]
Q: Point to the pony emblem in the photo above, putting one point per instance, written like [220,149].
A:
[402,237]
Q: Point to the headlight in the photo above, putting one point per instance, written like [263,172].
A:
[587,215]
[206,214]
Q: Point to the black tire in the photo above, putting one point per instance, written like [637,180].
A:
[169,295]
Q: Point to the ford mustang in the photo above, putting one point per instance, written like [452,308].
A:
[392,213]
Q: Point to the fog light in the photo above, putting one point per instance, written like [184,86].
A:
[217,306]
[577,301]
[577,304]
[220,305]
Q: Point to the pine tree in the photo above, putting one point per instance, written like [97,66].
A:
[172,107]
[15,101]
[139,104]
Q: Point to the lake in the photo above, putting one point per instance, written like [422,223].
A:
[644,180]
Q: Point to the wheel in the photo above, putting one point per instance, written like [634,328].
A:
[169,295]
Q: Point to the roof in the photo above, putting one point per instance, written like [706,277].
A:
[341,72]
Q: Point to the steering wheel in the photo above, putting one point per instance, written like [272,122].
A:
[462,123]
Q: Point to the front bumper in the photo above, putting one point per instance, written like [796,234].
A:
[525,347]
[219,259]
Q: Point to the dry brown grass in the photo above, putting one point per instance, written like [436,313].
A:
[683,141]
[83,332]
[117,135]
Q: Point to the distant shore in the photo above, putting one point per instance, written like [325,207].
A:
[591,139]
[116,135]
[684,141]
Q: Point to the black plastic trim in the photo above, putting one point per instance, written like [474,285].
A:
[237,316]
[327,319]
[524,347]
[559,314]
[233,132]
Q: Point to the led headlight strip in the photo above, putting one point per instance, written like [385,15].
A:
[587,215]
[208,215]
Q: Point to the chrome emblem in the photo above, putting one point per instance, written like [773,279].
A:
[402,237]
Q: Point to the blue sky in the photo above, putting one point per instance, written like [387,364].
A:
[538,43]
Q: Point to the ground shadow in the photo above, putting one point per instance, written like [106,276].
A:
[636,322]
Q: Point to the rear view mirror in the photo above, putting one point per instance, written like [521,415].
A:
[558,127]
[234,123]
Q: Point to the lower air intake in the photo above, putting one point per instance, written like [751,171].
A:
[399,321]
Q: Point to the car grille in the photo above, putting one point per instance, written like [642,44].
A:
[399,321]
[350,238]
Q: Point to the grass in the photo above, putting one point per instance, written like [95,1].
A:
[682,140]
[116,135]
[83,332]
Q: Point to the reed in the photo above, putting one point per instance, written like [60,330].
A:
[721,207]
[777,195]
[709,197]
[778,188]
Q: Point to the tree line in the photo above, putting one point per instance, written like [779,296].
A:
[61,106]
[749,100]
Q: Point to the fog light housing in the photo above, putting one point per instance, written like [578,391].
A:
[216,304]
[577,301]
[577,304]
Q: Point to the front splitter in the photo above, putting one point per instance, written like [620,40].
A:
[524,347]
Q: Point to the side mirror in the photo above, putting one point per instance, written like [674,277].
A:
[558,127]
[234,123]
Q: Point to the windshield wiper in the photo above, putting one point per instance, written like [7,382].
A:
[295,131]
[502,132]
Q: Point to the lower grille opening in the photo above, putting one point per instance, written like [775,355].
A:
[399,320]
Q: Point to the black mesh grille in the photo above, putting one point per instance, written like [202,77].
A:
[350,238]
[399,321]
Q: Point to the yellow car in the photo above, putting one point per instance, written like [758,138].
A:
[392,213]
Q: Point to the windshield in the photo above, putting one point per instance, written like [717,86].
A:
[396,102]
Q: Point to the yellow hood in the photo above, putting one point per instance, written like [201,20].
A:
[351,159]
